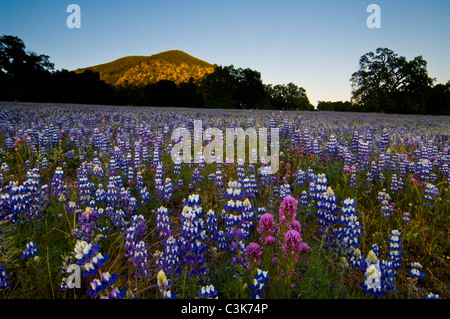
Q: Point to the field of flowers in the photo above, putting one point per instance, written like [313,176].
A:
[93,206]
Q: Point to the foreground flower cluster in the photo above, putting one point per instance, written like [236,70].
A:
[91,196]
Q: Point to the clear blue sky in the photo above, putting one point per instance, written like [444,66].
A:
[315,44]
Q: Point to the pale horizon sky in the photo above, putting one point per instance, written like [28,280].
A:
[314,44]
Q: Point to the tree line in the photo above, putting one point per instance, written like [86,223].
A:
[385,82]
[388,83]
[26,76]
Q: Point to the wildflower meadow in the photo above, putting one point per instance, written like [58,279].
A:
[93,206]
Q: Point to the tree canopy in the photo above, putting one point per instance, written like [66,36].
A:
[288,97]
[387,82]
[22,73]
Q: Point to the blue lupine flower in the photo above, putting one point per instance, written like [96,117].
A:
[403,168]
[385,140]
[115,294]
[320,186]
[316,149]
[155,157]
[139,180]
[163,284]
[284,190]
[139,255]
[249,189]
[304,199]
[112,192]
[394,184]
[30,251]
[96,288]
[4,278]
[212,226]
[208,292]
[373,174]
[238,218]
[163,223]
[424,168]
[386,208]
[218,177]
[57,186]
[376,250]
[29,199]
[222,241]
[87,255]
[253,186]
[4,168]
[116,217]
[415,270]
[159,178]
[261,278]
[240,173]
[193,233]
[171,262]
[300,177]
[445,170]
[100,194]
[234,191]
[247,216]
[406,217]
[306,140]
[92,267]
[430,195]
[356,259]
[239,249]
[372,283]
[194,200]
[177,166]
[394,249]
[363,152]
[331,148]
[347,236]
[65,282]
[113,166]
[387,277]
[327,213]
[137,158]
[98,171]
[88,221]
[177,171]
[130,175]
[85,188]
[145,195]
[196,179]
[352,181]
[137,248]
[9,143]
[260,211]
[354,143]
[168,189]
[129,160]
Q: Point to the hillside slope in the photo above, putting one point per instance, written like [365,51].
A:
[173,65]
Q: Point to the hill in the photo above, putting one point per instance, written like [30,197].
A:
[173,65]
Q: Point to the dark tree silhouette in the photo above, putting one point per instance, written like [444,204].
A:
[386,82]
[23,74]
[288,97]
[219,88]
